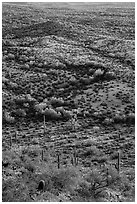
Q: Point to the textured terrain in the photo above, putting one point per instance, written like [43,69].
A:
[71,57]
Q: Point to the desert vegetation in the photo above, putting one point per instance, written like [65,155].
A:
[68,102]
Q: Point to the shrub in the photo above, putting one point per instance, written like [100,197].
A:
[11,56]
[91,151]
[13,85]
[32,58]
[95,181]
[98,73]
[96,114]
[64,113]
[108,121]
[92,79]
[102,159]
[118,118]
[86,81]
[110,75]
[56,102]
[96,128]
[51,114]
[20,113]
[15,189]
[20,100]
[33,152]
[29,165]
[24,58]
[25,66]
[8,118]
[30,99]
[65,178]
[84,189]
[73,80]
[5,80]
[99,180]
[113,176]
[60,109]
[126,186]
[91,71]
[31,63]
[40,107]
[131,118]
[40,65]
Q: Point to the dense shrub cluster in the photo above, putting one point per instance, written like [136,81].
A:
[79,182]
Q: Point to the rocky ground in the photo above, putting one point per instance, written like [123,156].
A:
[58,60]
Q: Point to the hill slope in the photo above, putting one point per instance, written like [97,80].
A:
[68,57]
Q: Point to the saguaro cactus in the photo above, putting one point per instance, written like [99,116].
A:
[77,160]
[71,159]
[42,154]
[58,160]
[74,120]
[44,124]
[107,174]
[10,141]
[118,164]
[16,136]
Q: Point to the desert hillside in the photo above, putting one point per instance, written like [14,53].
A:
[68,102]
